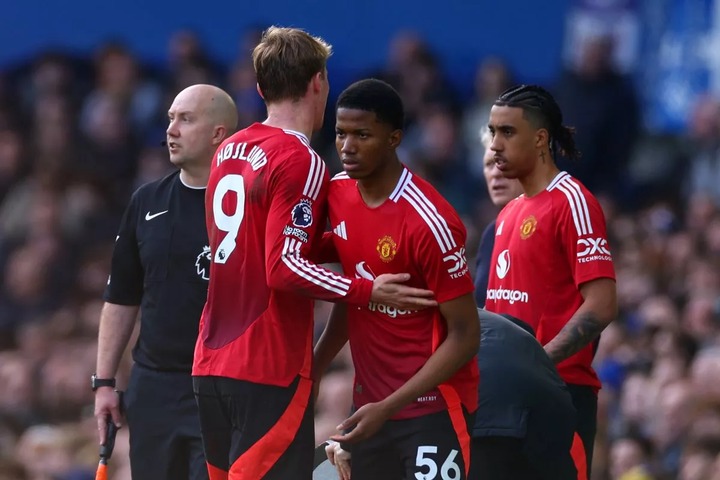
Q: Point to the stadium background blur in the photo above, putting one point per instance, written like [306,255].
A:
[84,88]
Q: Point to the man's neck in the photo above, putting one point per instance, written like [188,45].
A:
[543,174]
[196,177]
[376,189]
[289,115]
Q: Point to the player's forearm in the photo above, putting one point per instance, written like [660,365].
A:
[116,326]
[582,329]
[458,348]
[331,341]
[293,272]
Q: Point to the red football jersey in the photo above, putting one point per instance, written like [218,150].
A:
[266,203]
[545,247]
[415,231]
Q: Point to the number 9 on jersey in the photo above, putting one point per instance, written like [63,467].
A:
[229,224]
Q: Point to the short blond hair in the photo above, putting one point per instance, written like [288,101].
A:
[285,61]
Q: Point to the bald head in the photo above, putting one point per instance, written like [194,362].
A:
[200,118]
[213,102]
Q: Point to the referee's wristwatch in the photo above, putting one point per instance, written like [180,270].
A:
[96,382]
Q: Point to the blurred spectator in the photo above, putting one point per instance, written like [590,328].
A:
[117,75]
[602,105]
[189,63]
[629,459]
[434,149]
[491,79]
[703,174]
[13,161]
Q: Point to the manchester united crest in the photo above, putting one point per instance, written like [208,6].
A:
[386,248]
[528,227]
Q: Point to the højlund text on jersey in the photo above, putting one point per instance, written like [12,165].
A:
[256,157]
[511,296]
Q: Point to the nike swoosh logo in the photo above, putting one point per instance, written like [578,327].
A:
[150,217]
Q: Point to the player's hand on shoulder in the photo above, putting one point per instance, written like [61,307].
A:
[365,423]
[340,458]
[388,289]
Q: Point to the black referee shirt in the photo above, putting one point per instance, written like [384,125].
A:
[161,262]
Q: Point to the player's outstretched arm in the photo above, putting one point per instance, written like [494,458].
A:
[598,309]
[459,347]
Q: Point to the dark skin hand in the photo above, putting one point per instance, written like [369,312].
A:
[459,347]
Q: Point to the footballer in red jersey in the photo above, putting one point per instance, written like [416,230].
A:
[416,374]
[551,263]
[265,206]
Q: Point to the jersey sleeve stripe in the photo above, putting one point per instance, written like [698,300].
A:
[294,245]
[314,176]
[402,183]
[302,268]
[579,224]
[556,180]
[578,205]
[432,217]
[317,168]
[319,179]
[311,175]
[580,196]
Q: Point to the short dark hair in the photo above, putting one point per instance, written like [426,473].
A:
[373,95]
[541,109]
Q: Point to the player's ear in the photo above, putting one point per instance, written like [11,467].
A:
[542,138]
[317,81]
[257,87]
[396,138]
[218,134]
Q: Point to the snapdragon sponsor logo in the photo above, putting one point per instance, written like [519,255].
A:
[510,296]
[362,270]
[391,312]
[503,264]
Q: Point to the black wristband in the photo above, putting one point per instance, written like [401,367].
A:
[96,382]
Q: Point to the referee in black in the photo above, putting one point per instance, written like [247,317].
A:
[160,266]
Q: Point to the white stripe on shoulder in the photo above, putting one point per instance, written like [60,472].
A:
[579,196]
[340,176]
[315,177]
[578,205]
[429,213]
[557,179]
[312,273]
[402,183]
